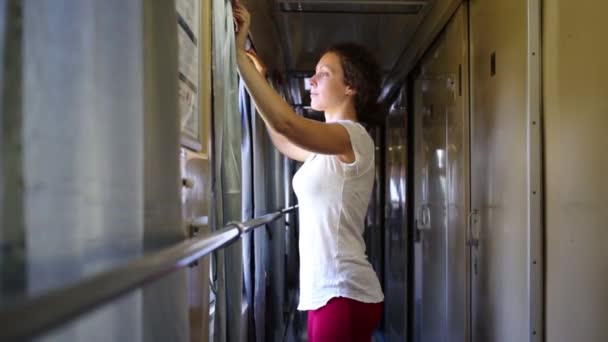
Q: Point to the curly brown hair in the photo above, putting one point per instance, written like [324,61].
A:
[362,73]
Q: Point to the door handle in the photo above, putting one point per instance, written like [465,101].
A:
[419,218]
[472,238]
[424,217]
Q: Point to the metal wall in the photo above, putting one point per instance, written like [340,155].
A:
[395,222]
[499,170]
[441,187]
[575,59]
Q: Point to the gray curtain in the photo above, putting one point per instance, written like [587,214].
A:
[264,251]
[82,152]
[247,109]
[227,174]
[90,131]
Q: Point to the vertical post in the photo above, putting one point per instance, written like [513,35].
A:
[534,177]
[12,234]
[165,304]
[3,19]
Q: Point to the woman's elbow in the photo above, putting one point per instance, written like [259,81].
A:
[286,127]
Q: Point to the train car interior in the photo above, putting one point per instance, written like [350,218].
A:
[142,198]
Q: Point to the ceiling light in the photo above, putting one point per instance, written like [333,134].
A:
[355,6]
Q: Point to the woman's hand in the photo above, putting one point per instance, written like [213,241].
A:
[243,20]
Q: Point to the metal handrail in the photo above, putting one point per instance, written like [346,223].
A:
[35,316]
[247,226]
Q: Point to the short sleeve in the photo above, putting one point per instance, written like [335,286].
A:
[363,147]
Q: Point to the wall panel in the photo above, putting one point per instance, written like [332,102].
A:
[498,31]
[575,97]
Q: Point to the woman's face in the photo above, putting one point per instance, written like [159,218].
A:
[327,88]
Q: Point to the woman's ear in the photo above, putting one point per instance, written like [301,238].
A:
[350,91]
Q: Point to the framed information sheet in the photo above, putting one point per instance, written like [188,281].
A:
[192,84]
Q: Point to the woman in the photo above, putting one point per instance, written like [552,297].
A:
[338,286]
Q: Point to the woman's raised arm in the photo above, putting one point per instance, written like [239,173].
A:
[310,135]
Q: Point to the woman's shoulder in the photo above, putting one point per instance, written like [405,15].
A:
[362,144]
[361,134]
[355,127]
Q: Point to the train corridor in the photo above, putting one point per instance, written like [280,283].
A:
[142,199]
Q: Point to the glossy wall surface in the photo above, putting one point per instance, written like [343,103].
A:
[395,272]
[441,187]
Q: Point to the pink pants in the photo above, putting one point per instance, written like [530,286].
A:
[344,319]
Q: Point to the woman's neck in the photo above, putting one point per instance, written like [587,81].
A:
[346,112]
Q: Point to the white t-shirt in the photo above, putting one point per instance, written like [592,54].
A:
[333,198]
